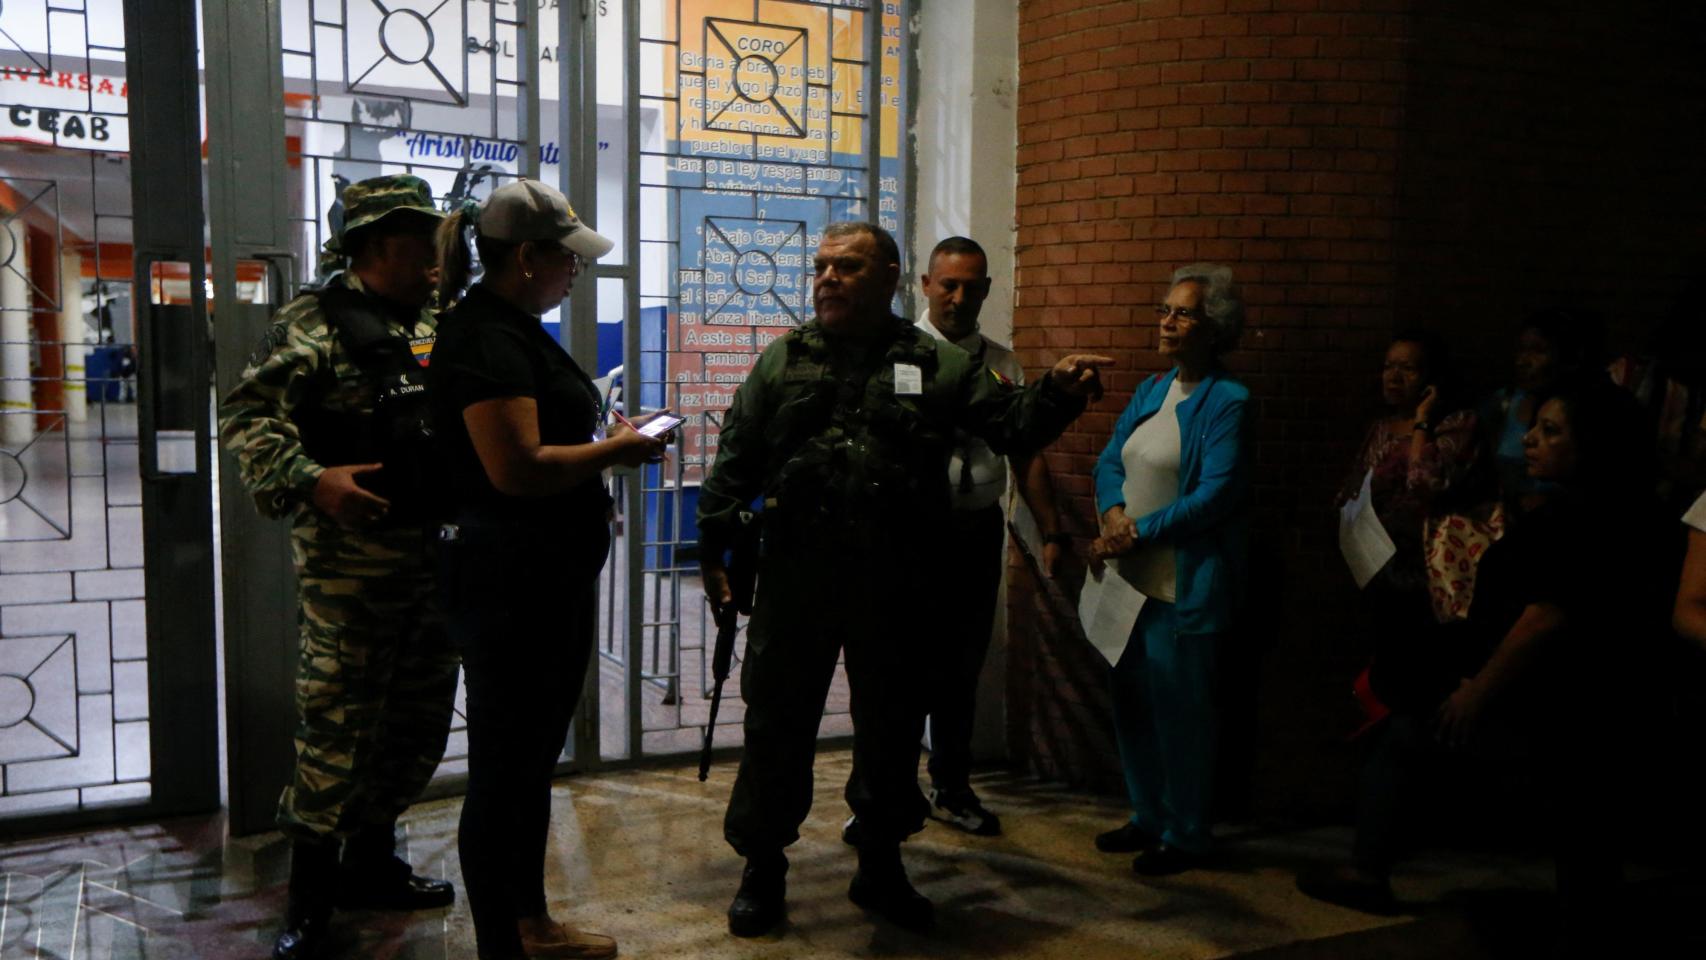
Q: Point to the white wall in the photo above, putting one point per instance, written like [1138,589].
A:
[966,137]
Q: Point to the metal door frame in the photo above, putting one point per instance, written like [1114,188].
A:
[177,519]
[577,176]
[245,124]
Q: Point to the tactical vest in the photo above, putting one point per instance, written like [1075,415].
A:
[848,454]
[397,432]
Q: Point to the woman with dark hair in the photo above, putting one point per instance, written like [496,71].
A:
[1551,345]
[518,423]
[1419,454]
[1569,608]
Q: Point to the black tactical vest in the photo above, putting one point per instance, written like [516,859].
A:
[397,432]
[850,458]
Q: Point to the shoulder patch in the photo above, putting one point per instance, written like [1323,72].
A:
[1000,377]
[274,338]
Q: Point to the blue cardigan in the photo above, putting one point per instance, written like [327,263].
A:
[1206,524]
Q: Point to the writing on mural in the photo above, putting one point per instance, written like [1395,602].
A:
[476,149]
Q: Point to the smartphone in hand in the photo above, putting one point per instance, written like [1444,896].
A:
[662,424]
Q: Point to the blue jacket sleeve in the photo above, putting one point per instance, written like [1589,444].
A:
[1220,485]
[1109,474]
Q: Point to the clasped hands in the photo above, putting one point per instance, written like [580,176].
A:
[1118,535]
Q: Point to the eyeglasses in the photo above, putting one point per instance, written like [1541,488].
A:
[577,263]
[1163,311]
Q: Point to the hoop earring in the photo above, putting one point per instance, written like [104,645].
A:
[525,275]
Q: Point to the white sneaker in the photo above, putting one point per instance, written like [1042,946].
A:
[963,811]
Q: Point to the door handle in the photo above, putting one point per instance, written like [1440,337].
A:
[281,274]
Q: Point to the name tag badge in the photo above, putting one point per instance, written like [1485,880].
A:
[908,380]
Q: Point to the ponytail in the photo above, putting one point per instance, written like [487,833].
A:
[455,260]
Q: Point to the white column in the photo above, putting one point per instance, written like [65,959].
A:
[968,140]
[73,333]
[17,426]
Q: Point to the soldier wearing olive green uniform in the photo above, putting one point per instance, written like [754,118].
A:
[376,677]
[844,428]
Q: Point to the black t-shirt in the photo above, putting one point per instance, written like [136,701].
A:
[1610,566]
[488,350]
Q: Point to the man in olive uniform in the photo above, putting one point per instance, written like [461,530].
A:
[844,428]
[321,425]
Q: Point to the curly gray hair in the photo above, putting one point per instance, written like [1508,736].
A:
[1221,303]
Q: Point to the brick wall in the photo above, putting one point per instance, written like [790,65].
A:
[1362,164]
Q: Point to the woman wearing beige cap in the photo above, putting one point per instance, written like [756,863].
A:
[518,424]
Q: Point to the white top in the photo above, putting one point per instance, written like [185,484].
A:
[1696,515]
[988,469]
[1151,458]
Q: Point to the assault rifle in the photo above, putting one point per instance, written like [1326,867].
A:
[743,579]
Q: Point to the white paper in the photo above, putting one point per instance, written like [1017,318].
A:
[908,380]
[1108,610]
[1362,538]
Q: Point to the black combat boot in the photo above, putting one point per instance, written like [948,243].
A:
[761,901]
[375,878]
[308,914]
[880,886]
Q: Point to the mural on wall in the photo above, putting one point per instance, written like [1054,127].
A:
[765,108]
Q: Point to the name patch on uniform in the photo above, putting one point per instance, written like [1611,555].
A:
[421,347]
[908,380]
[802,372]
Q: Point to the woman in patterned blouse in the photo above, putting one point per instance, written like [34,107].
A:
[1422,449]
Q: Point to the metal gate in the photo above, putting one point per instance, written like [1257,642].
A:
[447,90]
[103,429]
[441,89]
[717,138]
[749,125]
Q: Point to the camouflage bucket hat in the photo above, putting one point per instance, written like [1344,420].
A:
[368,200]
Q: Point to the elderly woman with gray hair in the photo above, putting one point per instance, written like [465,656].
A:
[1170,487]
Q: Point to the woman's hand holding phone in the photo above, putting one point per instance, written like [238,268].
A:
[634,448]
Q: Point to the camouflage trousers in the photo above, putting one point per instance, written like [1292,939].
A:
[375,690]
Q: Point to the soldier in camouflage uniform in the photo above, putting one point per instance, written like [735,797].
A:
[844,428]
[377,674]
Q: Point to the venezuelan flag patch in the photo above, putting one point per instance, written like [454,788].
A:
[422,349]
[1000,377]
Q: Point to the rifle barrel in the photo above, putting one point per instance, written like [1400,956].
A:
[720,660]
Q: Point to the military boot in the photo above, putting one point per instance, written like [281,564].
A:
[761,901]
[373,877]
[308,914]
[881,886]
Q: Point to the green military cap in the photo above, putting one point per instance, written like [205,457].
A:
[368,200]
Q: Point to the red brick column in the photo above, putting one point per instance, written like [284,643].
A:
[1348,159]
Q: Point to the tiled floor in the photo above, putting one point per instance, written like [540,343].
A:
[639,855]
